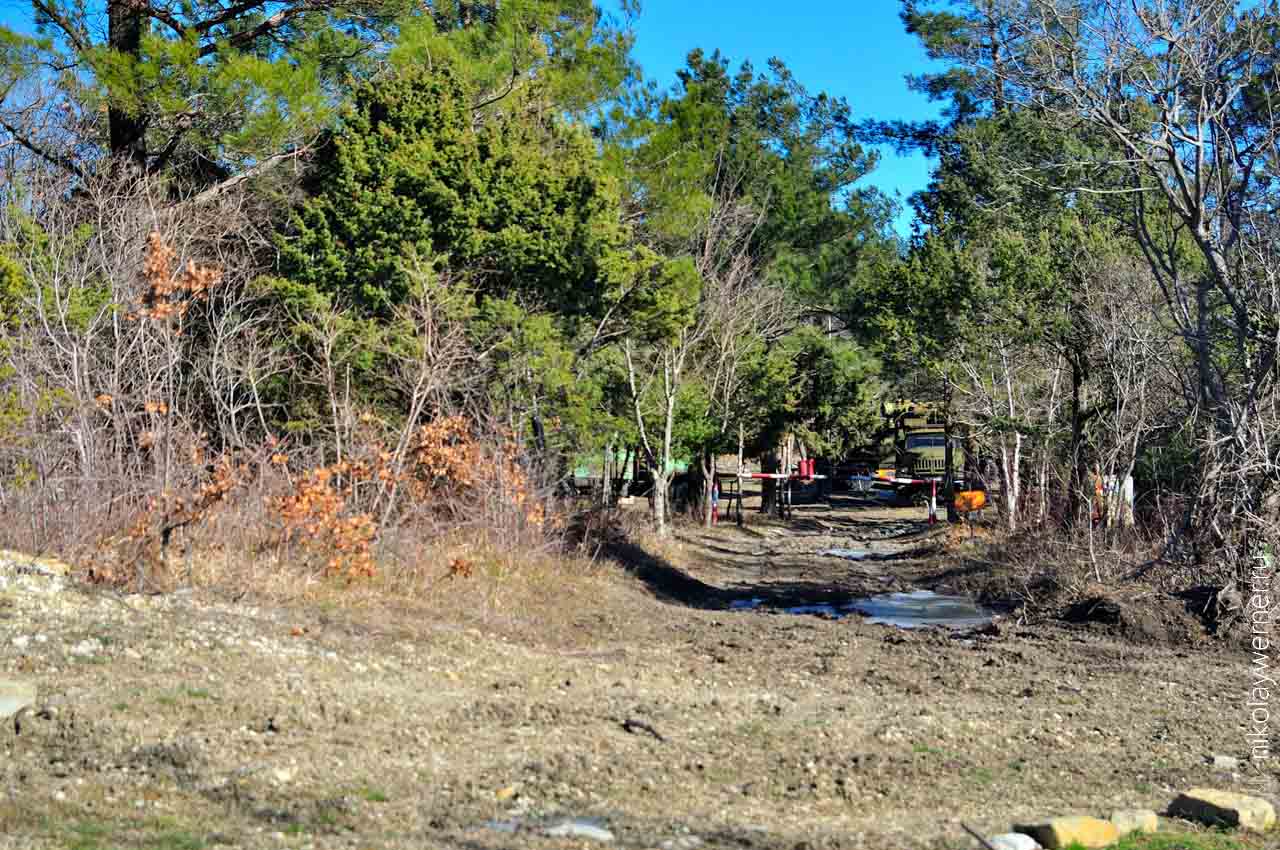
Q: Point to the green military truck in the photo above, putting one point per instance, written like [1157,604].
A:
[912,444]
[921,431]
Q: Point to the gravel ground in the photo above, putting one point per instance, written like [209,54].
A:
[656,716]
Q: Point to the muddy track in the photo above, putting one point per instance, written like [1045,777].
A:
[824,554]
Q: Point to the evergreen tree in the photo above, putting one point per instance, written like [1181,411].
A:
[521,207]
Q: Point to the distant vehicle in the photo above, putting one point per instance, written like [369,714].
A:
[925,454]
[920,435]
[911,444]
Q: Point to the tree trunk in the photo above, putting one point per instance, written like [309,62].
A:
[949,472]
[661,490]
[1010,478]
[1077,503]
[606,476]
[628,466]
[708,485]
[128,126]
[1044,488]
[769,486]
[742,440]
[662,475]
[784,485]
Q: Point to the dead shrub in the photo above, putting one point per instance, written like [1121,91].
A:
[316,514]
[1043,571]
[134,439]
[142,555]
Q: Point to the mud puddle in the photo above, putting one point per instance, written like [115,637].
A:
[851,554]
[912,610]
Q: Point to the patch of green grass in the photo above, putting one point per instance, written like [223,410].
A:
[720,774]
[295,829]
[1175,841]
[120,706]
[1144,788]
[89,835]
[927,750]
[176,840]
[172,698]
[983,776]
[157,834]
[373,795]
[754,729]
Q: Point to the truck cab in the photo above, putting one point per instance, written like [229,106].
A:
[921,439]
[925,454]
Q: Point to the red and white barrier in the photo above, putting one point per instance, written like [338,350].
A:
[778,476]
[932,482]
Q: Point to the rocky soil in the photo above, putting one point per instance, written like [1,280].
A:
[655,715]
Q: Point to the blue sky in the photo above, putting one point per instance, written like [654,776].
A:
[856,49]
[16,14]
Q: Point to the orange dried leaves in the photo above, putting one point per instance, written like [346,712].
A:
[170,295]
[316,513]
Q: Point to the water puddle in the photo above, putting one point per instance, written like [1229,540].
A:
[746,604]
[850,554]
[508,826]
[592,829]
[916,609]
[922,608]
[15,695]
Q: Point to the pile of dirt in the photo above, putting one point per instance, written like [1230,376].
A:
[1222,611]
[1143,616]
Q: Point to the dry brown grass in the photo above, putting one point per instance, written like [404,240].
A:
[537,595]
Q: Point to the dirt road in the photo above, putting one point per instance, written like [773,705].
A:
[647,704]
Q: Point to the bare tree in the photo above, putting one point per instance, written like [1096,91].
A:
[1185,92]
[1004,391]
[435,366]
[744,311]
[1136,365]
[657,370]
